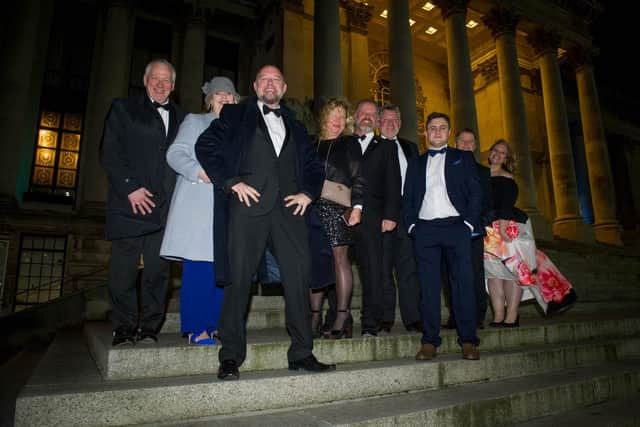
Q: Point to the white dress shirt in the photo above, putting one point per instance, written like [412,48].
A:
[164,114]
[403,163]
[275,127]
[436,203]
[364,143]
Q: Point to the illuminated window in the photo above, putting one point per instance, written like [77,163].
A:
[431,31]
[40,271]
[55,163]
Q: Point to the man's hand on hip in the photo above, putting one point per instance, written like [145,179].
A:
[246,193]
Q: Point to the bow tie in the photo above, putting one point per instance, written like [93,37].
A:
[266,110]
[362,137]
[158,105]
[436,152]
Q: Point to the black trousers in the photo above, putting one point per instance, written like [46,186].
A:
[369,250]
[398,256]
[248,238]
[123,275]
[480,293]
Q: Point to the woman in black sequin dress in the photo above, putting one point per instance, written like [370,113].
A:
[342,158]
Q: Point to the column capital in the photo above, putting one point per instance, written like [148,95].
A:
[489,69]
[501,20]
[579,56]
[359,15]
[451,7]
[544,41]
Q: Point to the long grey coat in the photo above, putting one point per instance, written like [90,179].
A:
[189,230]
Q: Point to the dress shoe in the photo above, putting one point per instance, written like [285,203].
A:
[228,370]
[512,325]
[146,336]
[470,351]
[414,327]
[427,352]
[479,325]
[385,327]
[311,364]
[566,303]
[369,333]
[122,337]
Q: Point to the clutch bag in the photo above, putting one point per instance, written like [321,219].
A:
[336,192]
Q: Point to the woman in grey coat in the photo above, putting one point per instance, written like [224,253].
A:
[189,232]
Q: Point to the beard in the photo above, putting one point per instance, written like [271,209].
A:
[270,100]
[365,128]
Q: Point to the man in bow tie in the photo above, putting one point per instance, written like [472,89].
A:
[137,132]
[398,249]
[380,214]
[266,175]
[441,206]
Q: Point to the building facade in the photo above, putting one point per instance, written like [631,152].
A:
[521,70]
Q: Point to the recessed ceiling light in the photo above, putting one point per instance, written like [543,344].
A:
[428,6]
[411,22]
[384,13]
[431,31]
[472,24]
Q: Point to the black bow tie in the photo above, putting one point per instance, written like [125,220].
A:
[436,152]
[266,110]
[158,105]
[362,137]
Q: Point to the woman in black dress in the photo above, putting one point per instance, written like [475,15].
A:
[341,157]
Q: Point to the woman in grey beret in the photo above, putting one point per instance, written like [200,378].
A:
[189,232]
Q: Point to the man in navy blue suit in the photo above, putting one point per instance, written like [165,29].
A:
[441,205]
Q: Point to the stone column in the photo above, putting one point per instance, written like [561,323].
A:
[502,24]
[606,227]
[403,84]
[327,67]
[111,80]
[568,222]
[358,17]
[297,60]
[192,69]
[23,56]
[463,103]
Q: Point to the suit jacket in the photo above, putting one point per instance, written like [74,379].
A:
[409,149]
[133,150]
[220,150]
[191,212]
[381,172]
[463,186]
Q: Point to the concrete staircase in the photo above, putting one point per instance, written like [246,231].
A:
[566,370]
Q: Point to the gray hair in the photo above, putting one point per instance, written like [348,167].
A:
[391,107]
[147,69]
[368,101]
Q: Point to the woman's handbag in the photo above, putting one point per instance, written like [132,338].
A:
[333,191]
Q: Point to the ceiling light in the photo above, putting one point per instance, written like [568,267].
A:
[428,6]
[384,13]
[411,22]
[472,24]
[431,31]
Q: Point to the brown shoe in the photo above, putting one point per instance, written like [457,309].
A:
[470,351]
[427,352]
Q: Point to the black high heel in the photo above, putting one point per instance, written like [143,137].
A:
[316,323]
[347,328]
[512,325]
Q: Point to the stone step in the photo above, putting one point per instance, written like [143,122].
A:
[507,402]
[84,399]
[617,413]
[267,349]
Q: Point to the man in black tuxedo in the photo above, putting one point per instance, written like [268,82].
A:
[266,174]
[398,249]
[466,141]
[441,206]
[381,171]
[138,130]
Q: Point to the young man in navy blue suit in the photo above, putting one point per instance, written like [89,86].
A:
[441,206]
